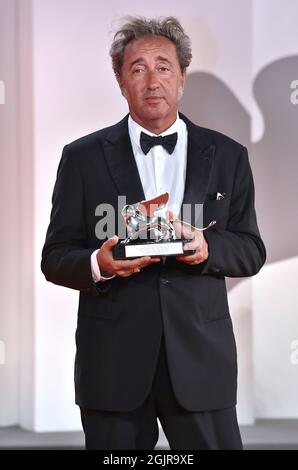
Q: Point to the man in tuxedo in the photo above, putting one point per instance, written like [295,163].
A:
[154,337]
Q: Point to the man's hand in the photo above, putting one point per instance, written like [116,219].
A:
[198,242]
[109,266]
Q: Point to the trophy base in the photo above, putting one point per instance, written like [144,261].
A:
[140,248]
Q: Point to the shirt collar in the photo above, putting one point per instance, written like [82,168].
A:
[135,130]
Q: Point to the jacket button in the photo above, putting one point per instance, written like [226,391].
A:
[164,281]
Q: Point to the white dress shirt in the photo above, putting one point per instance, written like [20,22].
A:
[159,171]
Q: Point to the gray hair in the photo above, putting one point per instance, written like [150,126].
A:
[139,27]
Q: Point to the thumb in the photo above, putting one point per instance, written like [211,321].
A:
[170,215]
[111,241]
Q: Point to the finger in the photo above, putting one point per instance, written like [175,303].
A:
[195,258]
[111,242]
[170,215]
[153,259]
[124,273]
[129,272]
[177,228]
[131,263]
[193,245]
[136,263]
[182,230]
[136,266]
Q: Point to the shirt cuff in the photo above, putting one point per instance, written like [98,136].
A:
[96,275]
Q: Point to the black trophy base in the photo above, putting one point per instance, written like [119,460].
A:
[138,248]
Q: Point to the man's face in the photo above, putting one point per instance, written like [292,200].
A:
[152,82]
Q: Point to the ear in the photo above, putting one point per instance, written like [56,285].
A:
[119,80]
[184,75]
[183,79]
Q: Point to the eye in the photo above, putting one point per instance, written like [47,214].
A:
[163,69]
[138,70]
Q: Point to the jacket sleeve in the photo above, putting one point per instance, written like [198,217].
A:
[238,250]
[66,256]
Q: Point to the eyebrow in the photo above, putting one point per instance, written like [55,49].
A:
[158,58]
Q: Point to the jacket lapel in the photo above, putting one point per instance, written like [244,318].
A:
[200,156]
[121,162]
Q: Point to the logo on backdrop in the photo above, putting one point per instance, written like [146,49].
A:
[294,354]
[2,92]
[294,94]
[2,353]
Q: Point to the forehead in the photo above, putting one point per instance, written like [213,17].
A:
[150,47]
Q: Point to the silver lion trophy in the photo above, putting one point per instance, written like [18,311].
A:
[149,234]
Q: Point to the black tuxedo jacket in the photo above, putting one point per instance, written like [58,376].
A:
[120,322]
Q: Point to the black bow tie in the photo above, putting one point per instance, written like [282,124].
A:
[148,141]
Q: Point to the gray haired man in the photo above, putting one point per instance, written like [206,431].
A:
[154,339]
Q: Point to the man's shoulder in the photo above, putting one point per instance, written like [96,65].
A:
[221,139]
[93,139]
[206,136]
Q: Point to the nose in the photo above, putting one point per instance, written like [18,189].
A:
[152,80]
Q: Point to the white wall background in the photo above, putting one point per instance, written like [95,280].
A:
[60,72]
[9,204]
[275,309]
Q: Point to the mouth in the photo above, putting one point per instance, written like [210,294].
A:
[153,99]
